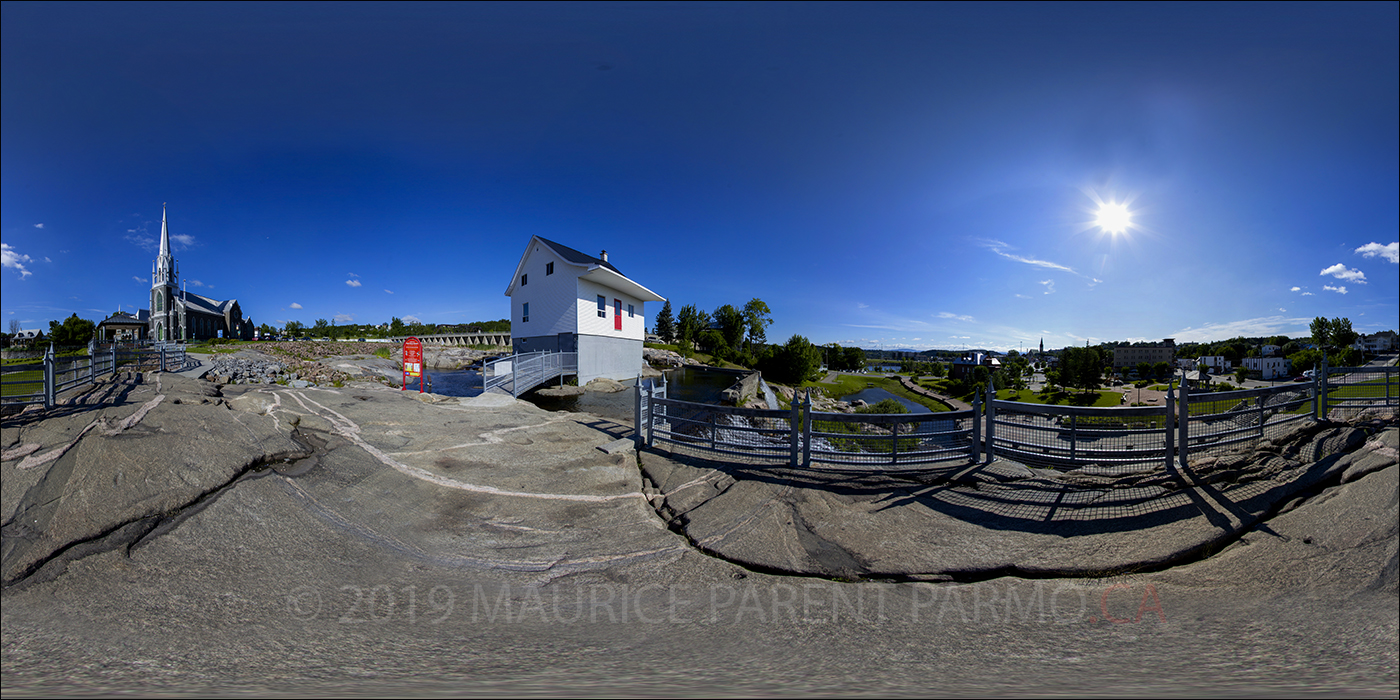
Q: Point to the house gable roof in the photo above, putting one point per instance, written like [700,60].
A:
[593,269]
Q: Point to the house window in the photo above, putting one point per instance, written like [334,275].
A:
[617,314]
[602,307]
[525,312]
[524,280]
[630,312]
[549,268]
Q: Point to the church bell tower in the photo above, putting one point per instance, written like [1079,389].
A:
[165,321]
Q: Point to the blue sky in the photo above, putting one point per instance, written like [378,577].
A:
[881,175]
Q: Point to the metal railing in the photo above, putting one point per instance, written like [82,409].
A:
[41,382]
[518,374]
[1062,437]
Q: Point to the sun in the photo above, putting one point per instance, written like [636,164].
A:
[1114,218]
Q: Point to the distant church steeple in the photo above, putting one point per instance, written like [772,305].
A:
[165,263]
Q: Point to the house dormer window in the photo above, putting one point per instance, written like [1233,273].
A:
[549,268]
[602,307]
[524,280]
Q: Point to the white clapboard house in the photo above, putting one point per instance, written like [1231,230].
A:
[562,300]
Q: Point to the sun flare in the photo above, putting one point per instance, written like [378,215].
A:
[1114,218]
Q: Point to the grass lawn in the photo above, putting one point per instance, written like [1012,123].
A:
[846,384]
[1101,399]
[31,375]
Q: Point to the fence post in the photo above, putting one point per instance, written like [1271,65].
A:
[1170,424]
[1183,426]
[976,427]
[794,431]
[50,395]
[162,358]
[991,421]
[114,360]
[806,427]
[636,413]
[651,412]
[1073,437]
[713,431]
[1320,378]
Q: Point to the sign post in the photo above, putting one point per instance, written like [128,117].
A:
[412,362]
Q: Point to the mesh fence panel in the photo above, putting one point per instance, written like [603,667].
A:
[1070,437]
[1225,420]
[1351,390]
[891,439]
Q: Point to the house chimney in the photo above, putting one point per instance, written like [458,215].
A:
[604,256]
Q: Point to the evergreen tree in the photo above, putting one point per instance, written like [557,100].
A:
[665,324]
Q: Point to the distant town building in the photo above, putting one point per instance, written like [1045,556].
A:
[1376,342]
[1128,356]
[562,300]
[1268,350]
[1214,363]
[1268,367]
[175,314]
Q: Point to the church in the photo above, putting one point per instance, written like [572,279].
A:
[177,315]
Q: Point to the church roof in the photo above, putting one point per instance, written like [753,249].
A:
[207,305]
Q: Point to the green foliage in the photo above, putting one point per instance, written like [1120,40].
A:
[883,407]
[385,353]
[794,362]
[757,320]
[732,325]
[666,324]
[322,328]
[396,327]
[1081,368]
[73,331]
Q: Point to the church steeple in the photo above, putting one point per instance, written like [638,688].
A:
[165,264]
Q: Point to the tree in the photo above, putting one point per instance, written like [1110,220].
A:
[713,341]
[1144,369]
[294,328]
[756,313]
[794,362]
[853,359]
[73,331]
[1162,370]
[1321,332]
[1081,368]
[321,329]
[688,325]
[15,328]
[665,324]
[396,327]
[1341,334]
[732,325]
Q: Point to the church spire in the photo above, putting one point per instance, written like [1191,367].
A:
[164,274]
[164,234]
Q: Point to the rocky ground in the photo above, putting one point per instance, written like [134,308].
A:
[167,535]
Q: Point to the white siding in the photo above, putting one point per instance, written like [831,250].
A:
[633,328]
[550,297]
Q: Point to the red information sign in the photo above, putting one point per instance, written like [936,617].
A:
[412,362]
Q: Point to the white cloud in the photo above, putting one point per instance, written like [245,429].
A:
[1307,294]
[1049,286]
[1249,328]
[46,259]
[862,306]
[181,241]
[945,314]
[1340,290]
[1390,252]
[1022,296]
[294,306]
[343,318]
[1283,311]
[41,226]
[10,258]
[196,283]
[352,274]
[412,319]
[387,292]
[1295,289]
[353,283]
[142,280]
[1341,272]
[1000,249]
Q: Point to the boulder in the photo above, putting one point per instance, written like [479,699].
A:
[605,385]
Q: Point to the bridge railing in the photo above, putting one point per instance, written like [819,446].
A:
[518,374]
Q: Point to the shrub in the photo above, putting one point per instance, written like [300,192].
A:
[884,406]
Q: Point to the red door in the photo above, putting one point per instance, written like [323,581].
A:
[617,314]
